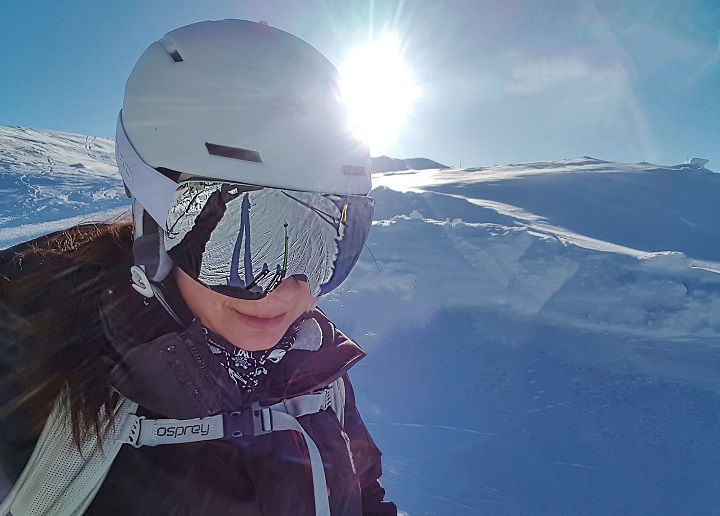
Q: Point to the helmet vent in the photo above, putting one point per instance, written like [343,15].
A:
[176,56]
[233,152]
[352,170]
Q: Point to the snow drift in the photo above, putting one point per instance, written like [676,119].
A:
[543,338]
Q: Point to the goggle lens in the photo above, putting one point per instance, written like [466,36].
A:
[243,240]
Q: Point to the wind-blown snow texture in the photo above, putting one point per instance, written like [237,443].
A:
[543,338]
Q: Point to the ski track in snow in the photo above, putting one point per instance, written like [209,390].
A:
[543,338]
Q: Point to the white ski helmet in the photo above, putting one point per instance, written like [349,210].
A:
[239,101]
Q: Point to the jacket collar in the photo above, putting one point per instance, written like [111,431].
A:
[141,332]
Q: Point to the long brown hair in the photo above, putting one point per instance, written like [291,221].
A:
[50,324]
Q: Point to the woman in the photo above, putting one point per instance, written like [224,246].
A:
[178,364]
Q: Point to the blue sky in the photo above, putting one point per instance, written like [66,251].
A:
[501,82]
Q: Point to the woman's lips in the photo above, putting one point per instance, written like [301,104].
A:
[261,323]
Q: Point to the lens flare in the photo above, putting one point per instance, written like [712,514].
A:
[379,89]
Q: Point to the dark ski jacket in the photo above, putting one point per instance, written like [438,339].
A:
[170,372]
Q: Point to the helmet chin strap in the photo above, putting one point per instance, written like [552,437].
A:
[152,263]
[148,245]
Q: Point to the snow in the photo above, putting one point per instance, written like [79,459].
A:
[51,180]
[543,338]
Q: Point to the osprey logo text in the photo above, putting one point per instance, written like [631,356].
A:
[179,431]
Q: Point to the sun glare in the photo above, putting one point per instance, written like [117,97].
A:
[379,90]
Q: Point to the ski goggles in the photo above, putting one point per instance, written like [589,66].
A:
[243,240]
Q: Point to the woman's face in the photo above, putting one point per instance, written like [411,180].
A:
[248,324]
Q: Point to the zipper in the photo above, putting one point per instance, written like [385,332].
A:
[207,377]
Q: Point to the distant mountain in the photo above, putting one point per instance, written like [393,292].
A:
[387,164]
[697,162]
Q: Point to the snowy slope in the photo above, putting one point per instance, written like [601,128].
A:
[543,338]
[52,180]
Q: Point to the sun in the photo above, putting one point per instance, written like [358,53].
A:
[379,90]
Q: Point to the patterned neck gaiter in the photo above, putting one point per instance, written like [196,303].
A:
[247,368]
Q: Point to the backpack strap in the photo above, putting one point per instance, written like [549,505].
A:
[255,420]
[59,479]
